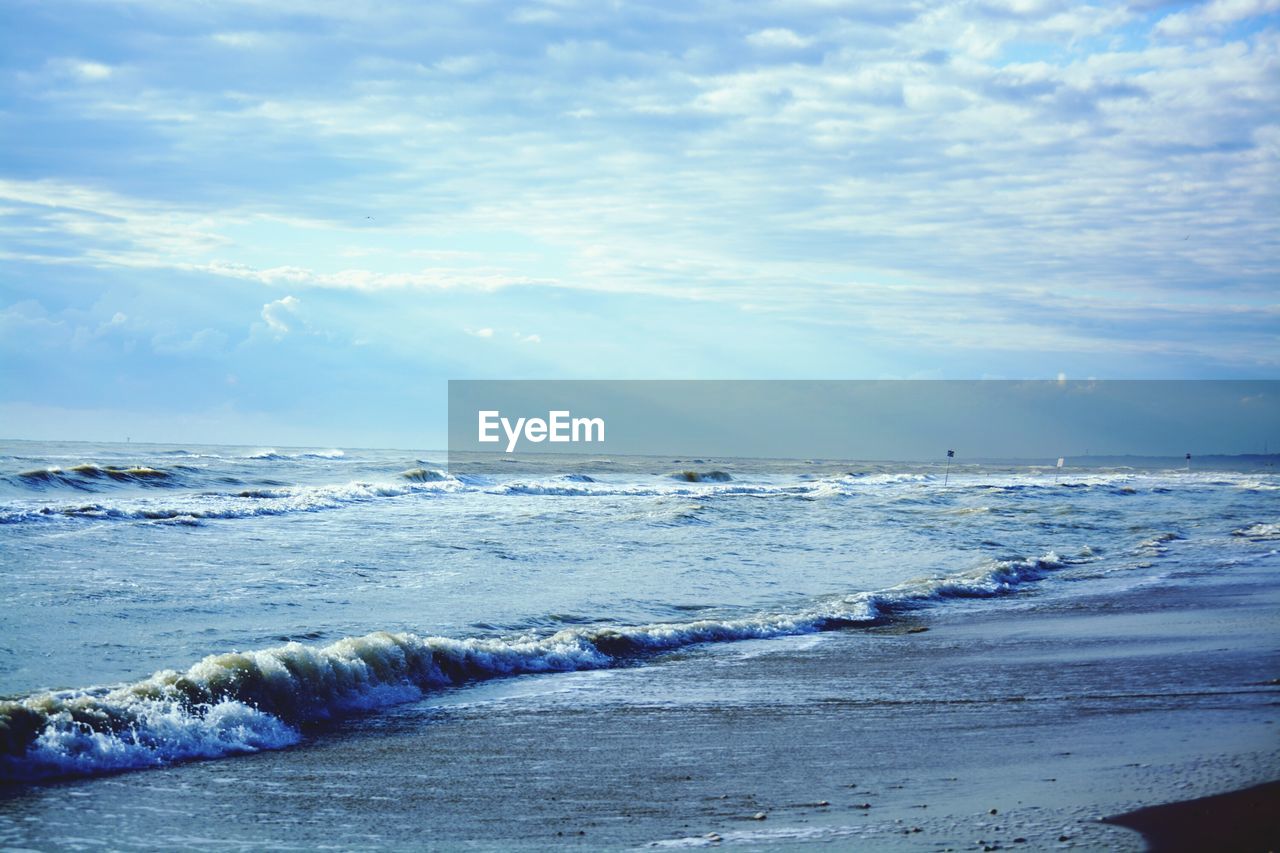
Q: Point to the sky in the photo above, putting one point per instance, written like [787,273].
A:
[292,222]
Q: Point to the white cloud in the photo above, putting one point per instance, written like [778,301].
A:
[101,223]
[239,39]
[461,64]
[276,314]
[531,15]
[778,37]
[480,333]
[204,341]
[477,278]
[89,70]
[1214,15]
[954,159]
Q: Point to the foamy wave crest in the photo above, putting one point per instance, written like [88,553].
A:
[1157,544]
[245,701]
[250,503]
[868,479]
[157,733]
[272,453]
[1261,530]
[569,487]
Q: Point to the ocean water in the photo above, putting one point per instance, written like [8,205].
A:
[162,604]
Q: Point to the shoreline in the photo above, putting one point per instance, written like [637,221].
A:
[1027,719]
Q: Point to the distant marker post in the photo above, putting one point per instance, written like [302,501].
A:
[947,476]
[1188,461]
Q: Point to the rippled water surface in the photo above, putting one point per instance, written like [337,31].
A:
[350,580]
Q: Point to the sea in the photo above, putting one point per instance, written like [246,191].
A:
[162,605]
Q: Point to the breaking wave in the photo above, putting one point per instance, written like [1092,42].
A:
[86,475]
[701,476]
[247,701]
[1261,530]
[424,475]
[573,487]
[249,503]
[272,453]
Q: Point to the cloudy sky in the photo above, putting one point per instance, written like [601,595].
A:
[291,222]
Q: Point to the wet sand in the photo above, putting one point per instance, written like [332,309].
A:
[1244,821]
[1016,724]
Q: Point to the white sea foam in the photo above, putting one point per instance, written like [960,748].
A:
[272,453]
[160,732]
[247,503]
[571,488]
[1261,530]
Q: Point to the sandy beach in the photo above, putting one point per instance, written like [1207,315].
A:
[1058,714]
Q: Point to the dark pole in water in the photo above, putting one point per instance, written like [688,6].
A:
[1188,461]
[947,475]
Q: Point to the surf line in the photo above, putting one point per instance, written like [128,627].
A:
[559,426]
